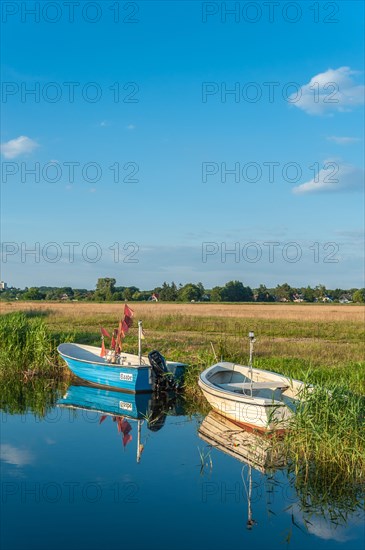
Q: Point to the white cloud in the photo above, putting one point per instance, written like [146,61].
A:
[334,177]
[331,91]
[14,455]
[342,140]
[18,146]
[130,127]
[104,123]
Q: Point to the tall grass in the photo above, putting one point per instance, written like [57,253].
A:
[327,434]
[27,346]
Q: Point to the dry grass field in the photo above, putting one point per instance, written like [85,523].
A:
[293,312]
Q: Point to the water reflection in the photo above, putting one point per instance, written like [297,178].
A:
[320,503]
[257,450]
[123,408]
[75,437]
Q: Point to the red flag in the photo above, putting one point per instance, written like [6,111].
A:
[104,332]
[126,439]
[125,327]
[102,418]
[128,312]
[103,351]
[128,321]
[114,338]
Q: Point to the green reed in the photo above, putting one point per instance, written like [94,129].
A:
[27,345]
[327,433]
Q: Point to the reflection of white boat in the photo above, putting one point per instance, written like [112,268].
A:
[263,453]
[254,450]
[248,396]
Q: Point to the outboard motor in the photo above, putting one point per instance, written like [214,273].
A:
[164,378]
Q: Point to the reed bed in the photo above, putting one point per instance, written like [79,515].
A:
[327,435]
[28,346]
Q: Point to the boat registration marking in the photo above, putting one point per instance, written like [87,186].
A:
[125,376]
[126,406]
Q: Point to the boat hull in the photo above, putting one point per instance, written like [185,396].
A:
[268,407]
[246,413]
[85,362]
[133,375]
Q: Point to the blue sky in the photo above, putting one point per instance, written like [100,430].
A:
[297,190]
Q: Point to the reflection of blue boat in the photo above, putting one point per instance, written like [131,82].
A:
[123,407]
[135,406]
[126,372]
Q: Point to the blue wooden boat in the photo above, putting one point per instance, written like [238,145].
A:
[126,372]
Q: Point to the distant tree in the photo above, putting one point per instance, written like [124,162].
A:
[308,294]
[82,294]
[216,294]
[320,292]
[264,295]
[33,293]
[284,293]
[129,291]
[359,296]
[234,291]
[337,293]
[118,296]
[168,293]
[190,292]
[105,288]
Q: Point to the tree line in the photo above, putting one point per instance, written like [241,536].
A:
[233,291]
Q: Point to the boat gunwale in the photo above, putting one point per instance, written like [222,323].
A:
[100,363]
[205,384]
[240,397]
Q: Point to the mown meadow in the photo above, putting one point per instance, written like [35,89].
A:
[320,344]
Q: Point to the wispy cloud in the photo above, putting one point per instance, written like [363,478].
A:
[18,146]
[131,127]
[334,177]
[328,92]
[14,455]
[343,140]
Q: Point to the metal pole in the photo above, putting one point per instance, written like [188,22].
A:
[139,441]
[140,341]
[251,336]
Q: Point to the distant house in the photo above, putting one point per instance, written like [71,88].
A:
[345,299]
[153,298]
[65,297]
[298,298]
[3,285]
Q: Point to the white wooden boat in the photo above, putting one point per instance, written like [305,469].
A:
[251,397]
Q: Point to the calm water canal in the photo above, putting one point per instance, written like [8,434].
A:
[87,476]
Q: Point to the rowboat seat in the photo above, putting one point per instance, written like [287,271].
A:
[242,386]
